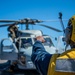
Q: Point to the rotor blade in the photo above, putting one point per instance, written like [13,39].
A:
[50,27]
[54,20]
[8,21]
[7,25]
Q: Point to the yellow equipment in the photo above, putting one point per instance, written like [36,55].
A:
[72,23]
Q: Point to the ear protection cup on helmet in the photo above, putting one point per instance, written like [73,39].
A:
[73,28]
[68,32]
[71,24]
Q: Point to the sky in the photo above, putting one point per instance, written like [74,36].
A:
[37,9]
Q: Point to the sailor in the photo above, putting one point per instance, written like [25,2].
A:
[13,29]
[14,33]
[56,64]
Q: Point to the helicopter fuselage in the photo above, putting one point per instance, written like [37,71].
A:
[26,39]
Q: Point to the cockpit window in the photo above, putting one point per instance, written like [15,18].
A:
[26,42]
[47,42]
[24,34]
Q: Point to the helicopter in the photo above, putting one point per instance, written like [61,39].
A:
[20,47]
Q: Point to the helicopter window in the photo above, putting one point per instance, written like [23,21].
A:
[7,47]
[24,34]
[26,42]
[47,42]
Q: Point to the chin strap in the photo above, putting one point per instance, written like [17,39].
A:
[66,46]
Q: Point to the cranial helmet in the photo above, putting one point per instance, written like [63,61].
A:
[70,31]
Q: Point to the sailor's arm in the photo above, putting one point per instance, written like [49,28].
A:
[40,57]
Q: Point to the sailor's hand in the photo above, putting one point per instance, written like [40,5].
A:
[40,38]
